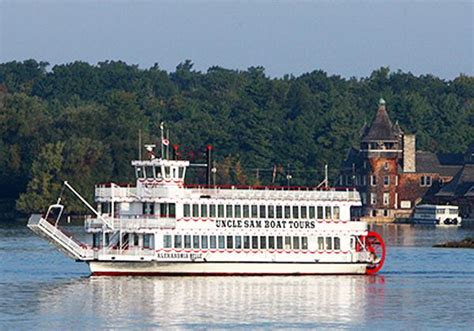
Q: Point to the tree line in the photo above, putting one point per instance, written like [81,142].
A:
[80,122]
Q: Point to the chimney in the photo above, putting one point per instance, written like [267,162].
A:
[409,151]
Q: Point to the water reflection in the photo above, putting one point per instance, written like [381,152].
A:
[222,301]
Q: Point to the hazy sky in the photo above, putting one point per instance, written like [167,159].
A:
[349,38]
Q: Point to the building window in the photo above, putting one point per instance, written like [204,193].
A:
[385,212]
[425,181]
[386,180]
[363,197]
[386,198]
[396,180]
[364,180]
[385,165]
[373,198]
[373,180]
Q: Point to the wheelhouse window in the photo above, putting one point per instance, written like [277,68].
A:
[158,173]
[167,172]
[139,172]
[150,173]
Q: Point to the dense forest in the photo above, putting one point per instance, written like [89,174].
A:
[81,122]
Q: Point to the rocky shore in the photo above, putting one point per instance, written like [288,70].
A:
[465,243]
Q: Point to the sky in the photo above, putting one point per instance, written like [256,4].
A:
[347,38]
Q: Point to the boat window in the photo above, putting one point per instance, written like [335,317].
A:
[238,242]
[254,211]
[320,213]
[228,211]
[221,240]
[246,211]
[263,242]
[135,240]
[263,210]
[204,242]
[279,242]
[287,212]
[337,243]
[336,212]
[296,242]
[220,211]
[352,243]
[167,172]
[195,241]
[148,208]
[237,211]
[203,210]
[279,212]
[312,214]
[96,240]
[212,210]
[320,243]
[178,241]
[149,172]
[246,242]
[230,243]
[186,210]
[295,212]
[167,241]
[304,242]
[212,242]
[171,210]
[271,211]
[304,213]
[181,172]
[287,242]
[139,172]
[329,243]
[328,212]
[163,210]
[271,242]
[158,172]
[254,242]
[453,211]
[195,210]
[187,241]
[147,240]
[174,172]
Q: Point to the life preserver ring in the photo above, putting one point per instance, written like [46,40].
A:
[376,247]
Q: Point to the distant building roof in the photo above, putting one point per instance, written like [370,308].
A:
[444,164]
[461,185]
[381,128]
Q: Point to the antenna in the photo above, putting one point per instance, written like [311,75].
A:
[162,138]
[139,144]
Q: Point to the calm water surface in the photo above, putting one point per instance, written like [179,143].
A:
[420,287]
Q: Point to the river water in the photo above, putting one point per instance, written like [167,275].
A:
[420,287]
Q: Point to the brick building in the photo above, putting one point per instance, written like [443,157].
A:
[391,175]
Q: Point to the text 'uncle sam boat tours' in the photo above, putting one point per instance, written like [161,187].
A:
[161,226]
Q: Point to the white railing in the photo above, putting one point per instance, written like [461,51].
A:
[132,223]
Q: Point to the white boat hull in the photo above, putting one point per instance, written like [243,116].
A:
[99,268]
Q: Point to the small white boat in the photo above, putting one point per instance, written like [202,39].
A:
[439,215]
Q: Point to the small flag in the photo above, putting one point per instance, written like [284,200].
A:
[165,142]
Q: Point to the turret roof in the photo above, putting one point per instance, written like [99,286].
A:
[382,128]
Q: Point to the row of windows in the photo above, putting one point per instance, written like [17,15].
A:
[261,211]
[362,180]
[248,242]
[157,172]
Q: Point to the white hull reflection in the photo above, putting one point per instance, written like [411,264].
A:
[224,269]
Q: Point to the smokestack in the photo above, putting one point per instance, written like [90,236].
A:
[409,153]
[209,164]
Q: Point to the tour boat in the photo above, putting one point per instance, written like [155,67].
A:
[439,215]
[161,226]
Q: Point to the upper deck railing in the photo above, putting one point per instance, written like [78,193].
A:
[108,191]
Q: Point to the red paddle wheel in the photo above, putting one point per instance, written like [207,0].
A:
[376,247]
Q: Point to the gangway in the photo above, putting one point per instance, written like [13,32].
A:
[67,244]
